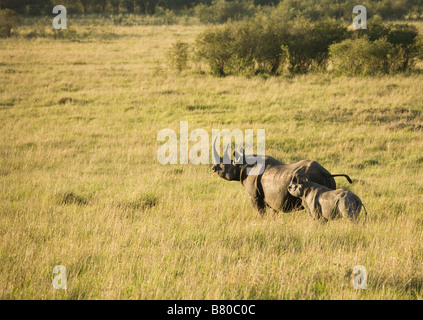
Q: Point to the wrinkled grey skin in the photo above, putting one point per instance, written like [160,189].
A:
[270,189]
[325,204]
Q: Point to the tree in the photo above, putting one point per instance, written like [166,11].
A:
[214,46]
[404,37]
[8,20]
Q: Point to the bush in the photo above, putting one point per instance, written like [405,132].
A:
[419,47]
[363,57]
[215,47]
[258,47]
[221,11]
[376,29]
[8,20]
[247,47]
[403,37]
[178,55]
[39,29]
[261,46]
[323,34]
[168,15]
[309,43]
[342,9]
[271,45]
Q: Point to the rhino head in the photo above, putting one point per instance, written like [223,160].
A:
[226,168]
[296,187]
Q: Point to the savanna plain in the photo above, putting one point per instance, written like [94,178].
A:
[81,186]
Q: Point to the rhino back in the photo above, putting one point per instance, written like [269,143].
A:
[316,173]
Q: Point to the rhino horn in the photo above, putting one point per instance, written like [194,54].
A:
[239,156]
[226,156]
[216,156]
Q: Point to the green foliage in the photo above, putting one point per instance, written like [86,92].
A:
[322,35]
[364,57]
[8,20]
[167,14]
[39,29]
[376,29]
[262,46]
[178,55]
[272,45]
[316,10]
[309,43]
[403,35]
[216,11]
[221,11]
[419,47]
[268,53]
[214,47]
[254,47]
[31,7]
[402,38]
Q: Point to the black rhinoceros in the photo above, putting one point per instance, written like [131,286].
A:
[270,187]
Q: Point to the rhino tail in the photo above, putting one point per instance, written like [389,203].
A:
[342,175]
[365,210]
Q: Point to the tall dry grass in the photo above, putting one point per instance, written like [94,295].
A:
[80,184]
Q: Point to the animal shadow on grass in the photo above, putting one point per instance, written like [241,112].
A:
[69,197]
[412,288]
[140,203]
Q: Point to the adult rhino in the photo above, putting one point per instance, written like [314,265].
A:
[270,188]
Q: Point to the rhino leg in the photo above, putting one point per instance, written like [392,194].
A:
[258,204]
[273,211]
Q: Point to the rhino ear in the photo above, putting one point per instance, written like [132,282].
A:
[243,155]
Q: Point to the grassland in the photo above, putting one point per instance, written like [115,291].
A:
[80,184]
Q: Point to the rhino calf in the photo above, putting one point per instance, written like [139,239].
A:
[325,204]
